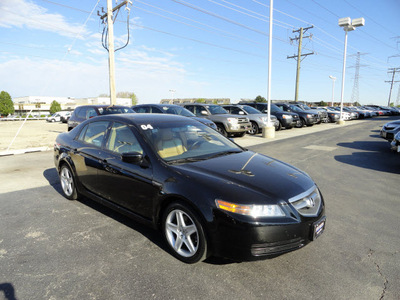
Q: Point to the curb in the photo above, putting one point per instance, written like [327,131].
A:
[23,151]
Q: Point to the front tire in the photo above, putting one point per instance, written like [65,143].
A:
[68,183]
[221,130]
[254,128]
[184,234]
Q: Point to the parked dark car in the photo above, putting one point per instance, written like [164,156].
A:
[84,112]
[227,124]
[206,194]
[333,115]
[395,143]
[258,120]
[171,109]
[389,130]
[307,118]
[322,114]
[286,119]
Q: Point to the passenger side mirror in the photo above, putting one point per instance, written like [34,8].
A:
[204,113]
[241,113]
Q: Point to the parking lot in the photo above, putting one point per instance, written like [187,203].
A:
[52,248]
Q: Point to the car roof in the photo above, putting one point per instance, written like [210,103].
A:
[157,105]
[104,105]
[140,119]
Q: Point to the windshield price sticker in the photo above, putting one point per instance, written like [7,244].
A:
[146,127]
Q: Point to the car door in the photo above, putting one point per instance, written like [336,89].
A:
[126,184]
[87,155]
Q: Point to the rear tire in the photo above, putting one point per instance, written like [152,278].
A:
[184,234]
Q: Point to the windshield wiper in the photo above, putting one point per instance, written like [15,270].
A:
[223,153]
[187,159]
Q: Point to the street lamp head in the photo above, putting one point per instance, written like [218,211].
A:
[344,22]
[358,22]
[349,25]
[331,77]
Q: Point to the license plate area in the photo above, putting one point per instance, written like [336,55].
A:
[318,228]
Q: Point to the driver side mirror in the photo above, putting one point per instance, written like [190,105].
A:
[204,113]
[132,157]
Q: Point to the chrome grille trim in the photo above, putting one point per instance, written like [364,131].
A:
[308,204]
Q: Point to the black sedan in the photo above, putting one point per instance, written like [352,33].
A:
[206,194]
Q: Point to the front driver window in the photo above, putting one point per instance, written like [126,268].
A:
[122,139]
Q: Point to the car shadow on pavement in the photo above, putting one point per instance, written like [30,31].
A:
[51,176]
[151,234]
[373,155]
[8,290]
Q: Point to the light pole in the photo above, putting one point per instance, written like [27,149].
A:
[333,87]
[348,25]
[173,94]
[269,130]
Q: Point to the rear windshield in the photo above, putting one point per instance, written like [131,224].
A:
[114,110]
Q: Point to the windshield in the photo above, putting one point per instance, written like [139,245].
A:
[251,110]
[216,109]
[183,142]
[275,108]
[177,110]
[304,106]
[295,108]
[114,110]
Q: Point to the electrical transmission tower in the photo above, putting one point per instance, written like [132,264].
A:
[393,71]
[355,95]
[398,97]
[299,56]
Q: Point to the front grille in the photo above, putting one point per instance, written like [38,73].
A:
[242,120]
[308,204]
[277,247]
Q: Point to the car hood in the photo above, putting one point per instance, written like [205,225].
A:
[247,177]
[393,123]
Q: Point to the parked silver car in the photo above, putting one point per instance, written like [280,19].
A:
[257,118]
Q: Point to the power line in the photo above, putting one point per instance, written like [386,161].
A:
[379,24]
[215,30]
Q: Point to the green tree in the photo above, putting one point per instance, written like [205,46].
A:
[200,100]
[322,103]
[6,104]
[356,104]
[55,107]
[260,99]
[131,95]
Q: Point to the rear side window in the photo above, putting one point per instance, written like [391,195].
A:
[156,110]
[94,133]
[142,109]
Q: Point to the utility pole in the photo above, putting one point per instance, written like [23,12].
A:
[299,55]
[393,71]
[109,29]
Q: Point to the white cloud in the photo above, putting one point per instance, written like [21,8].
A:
[23,13]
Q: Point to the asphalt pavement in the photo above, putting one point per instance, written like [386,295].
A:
[52,248]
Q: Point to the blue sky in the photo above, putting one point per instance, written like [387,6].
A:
[200,49]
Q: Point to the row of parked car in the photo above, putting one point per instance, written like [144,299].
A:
[236,120]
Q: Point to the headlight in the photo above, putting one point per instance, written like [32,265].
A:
[286,116]
[233,120]
[309,116]
[251,210]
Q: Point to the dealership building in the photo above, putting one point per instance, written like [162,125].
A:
[40,105]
